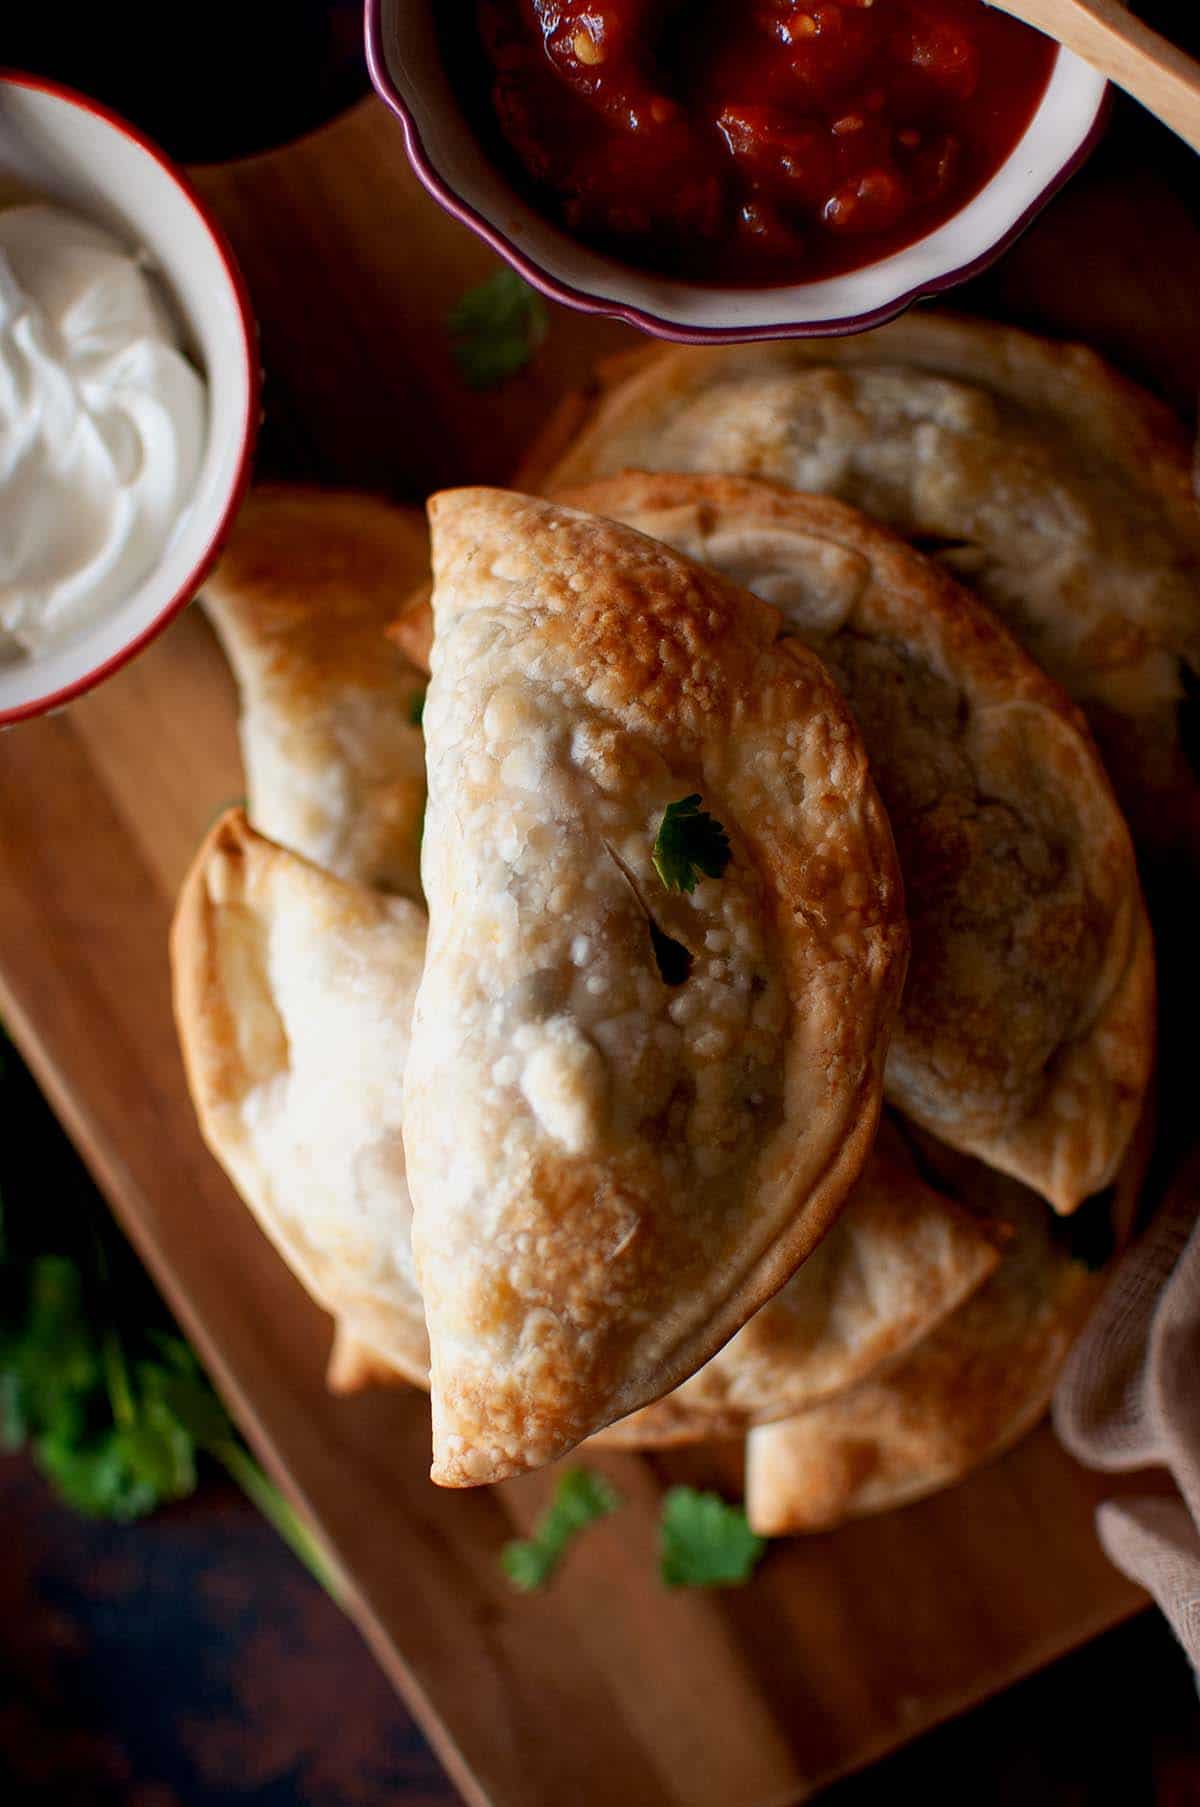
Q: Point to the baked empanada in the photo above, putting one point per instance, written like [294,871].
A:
[630,1111]
[1026,1035]
[968,1391]
[900,1258]
[1061,493]
[293,999]
[331,745]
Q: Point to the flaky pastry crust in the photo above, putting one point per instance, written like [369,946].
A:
[293,995]
[1027,1031]
[332,751]
[1026,1035]
[967,1392]
[1058,491]
[611,1172]
[901,1257]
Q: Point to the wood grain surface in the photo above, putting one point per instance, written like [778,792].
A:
[608,1690]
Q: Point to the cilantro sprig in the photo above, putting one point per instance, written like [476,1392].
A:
[495,328]
[94,1379]
[581,1498]
[705,1542]
[689,842]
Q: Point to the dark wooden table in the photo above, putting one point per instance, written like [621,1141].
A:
[190,1662]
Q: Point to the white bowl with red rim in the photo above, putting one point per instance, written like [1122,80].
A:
[73,151]
[409,73]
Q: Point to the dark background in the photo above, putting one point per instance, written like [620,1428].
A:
[217,79]
[189,1661]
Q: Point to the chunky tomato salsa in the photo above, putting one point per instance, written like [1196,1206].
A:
[748,141]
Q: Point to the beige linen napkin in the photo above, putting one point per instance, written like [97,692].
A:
[1130,1398]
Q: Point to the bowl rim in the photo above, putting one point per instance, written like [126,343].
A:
[40,705]
[585,302]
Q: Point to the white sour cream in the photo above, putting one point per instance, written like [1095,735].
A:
[102,426]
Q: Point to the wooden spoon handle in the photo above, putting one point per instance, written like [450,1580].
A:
[1104,33]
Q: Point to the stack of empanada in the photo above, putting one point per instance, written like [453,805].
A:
[743,818]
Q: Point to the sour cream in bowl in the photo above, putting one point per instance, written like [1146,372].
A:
[128,394]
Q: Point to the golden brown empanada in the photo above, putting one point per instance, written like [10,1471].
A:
[1026,1035]
[293,999]
[1059,492]
[965,1393]
[900,1258]
[614,1164]
[334,763]
[331,746]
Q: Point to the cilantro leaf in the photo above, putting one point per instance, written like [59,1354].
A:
[495,329]
[689,841]
[113,1406]
[122,1473]
[529,1565]
[94,1477]
[52,1364]
[704,1542]
[158,1452]
[416,708]
[581,1497]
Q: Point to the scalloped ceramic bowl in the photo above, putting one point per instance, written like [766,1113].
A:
[408,72]
[72,150]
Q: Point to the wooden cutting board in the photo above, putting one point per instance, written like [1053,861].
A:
[608,1689]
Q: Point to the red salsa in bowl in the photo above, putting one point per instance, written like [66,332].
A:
[742,142]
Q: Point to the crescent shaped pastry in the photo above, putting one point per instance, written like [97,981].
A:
[968,1391]
[334,762]
[293,996]
[1026,1034]
[1061,493]
[331,746]
[630,1111]
[901,1257]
